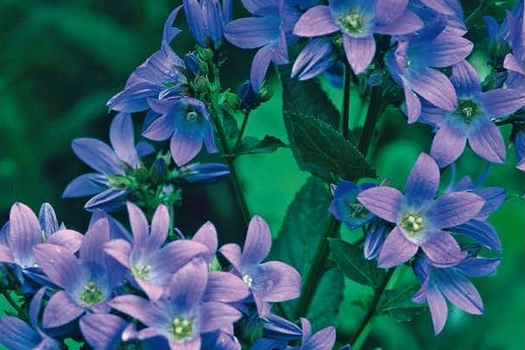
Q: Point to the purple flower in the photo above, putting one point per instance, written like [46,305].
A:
[86,282]
[24,231]
[113,166]
[315,58]
[451,283]
[18,335]
[358,20]
[271,281]
[419,218]
[179,316]
[156,77]
[345,206]
[322,340]
[471,119]
[102,331]
[410,65]
[207,20]
[267,31]
[515,61]
[187,121]
[147,254]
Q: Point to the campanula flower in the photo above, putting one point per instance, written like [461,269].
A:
[207,19]
[419,218]
[345,206]
[271,281]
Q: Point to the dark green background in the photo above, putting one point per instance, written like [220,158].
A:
[60,61]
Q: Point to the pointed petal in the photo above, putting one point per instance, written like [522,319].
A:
[413,104]
[383,201]
[58,263]
[24,233]
[96,236]
[68,239]
[186,142]
[120,250]
[141,309]
[448,145]
[122,139]
[479,267]
[494,197]
[60,310]
[443,250]
[423,181]
[195,20]
[102,331]
[324,339]
[435,87]
[107,200]
[207,235]
[487,142]
[160,129]
[316,21]
[225,287]
[47,219]
[359,51]
[460,291]
[388,11]
[396,249]
[97,155]
[438,309]
[159,226]
[501,102]
[252,32]
[258,242]
[261,61]
[465,79]
[139,225]
[482,232]
[276,281]
[232,252]
[188,284]
[455,208]
[16,334]
[217,315]
[407,22]
[85,185]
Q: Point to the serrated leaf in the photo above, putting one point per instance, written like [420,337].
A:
[354,265]
[399,305]
[304,224]
[307,97]
[268,144]
[321,150]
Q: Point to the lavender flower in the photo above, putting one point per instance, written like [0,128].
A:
[145,257]
[438,283]
[24,231]
[187,121]
[207,20]
[515,61]
[419,218]
[267,31]
[113,166]
[18,335]
[471,120]
[86,282]
[358,20]
[102,331]
[270,281]
[315,58]
[322,340]
[179,317]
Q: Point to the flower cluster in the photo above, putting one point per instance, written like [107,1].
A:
[145,284]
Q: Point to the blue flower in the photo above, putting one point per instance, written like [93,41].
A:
[322,340]
[18,335]
[112,165]
[471,120]
[85,282]
[419,218]
[451,283]
[358,20]
[179,317]
[271,281]
[345,206]
[207,20]
[186,121]
[268,31]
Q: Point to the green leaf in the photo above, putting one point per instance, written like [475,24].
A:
[308,98]
[268,144]
[304,224]
[354,265]
[321,150]
[399,305]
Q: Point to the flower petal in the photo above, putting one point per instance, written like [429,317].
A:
[443,250]
[141,309]
[58,263]
[24,233]
[438,308]
[448,145]
[225,288]
[122,139]
[60,310]
[85,185]
[97,155]
[16,334]
[252,32]
[455,208]
[482,232]
[276,281]
[217,316]
[258,242]
[396,249]
[383,201]
[359,51]
[487,142]
[460,291]
[316,21]
[501,102]
[435,87]
[422,182]
[102,331]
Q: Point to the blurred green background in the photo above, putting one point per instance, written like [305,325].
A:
[60,61]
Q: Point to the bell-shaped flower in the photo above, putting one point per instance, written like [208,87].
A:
[272,281]
[419,218]
[207,19]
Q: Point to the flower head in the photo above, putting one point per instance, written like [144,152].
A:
[346,207]
[207,20]
[270,281]
[419,218]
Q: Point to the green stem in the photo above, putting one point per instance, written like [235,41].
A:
[371,119]
[241,132]
[316,268]
[12,301]
[216,115]
[474,15]
[372,309]
[345,125]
